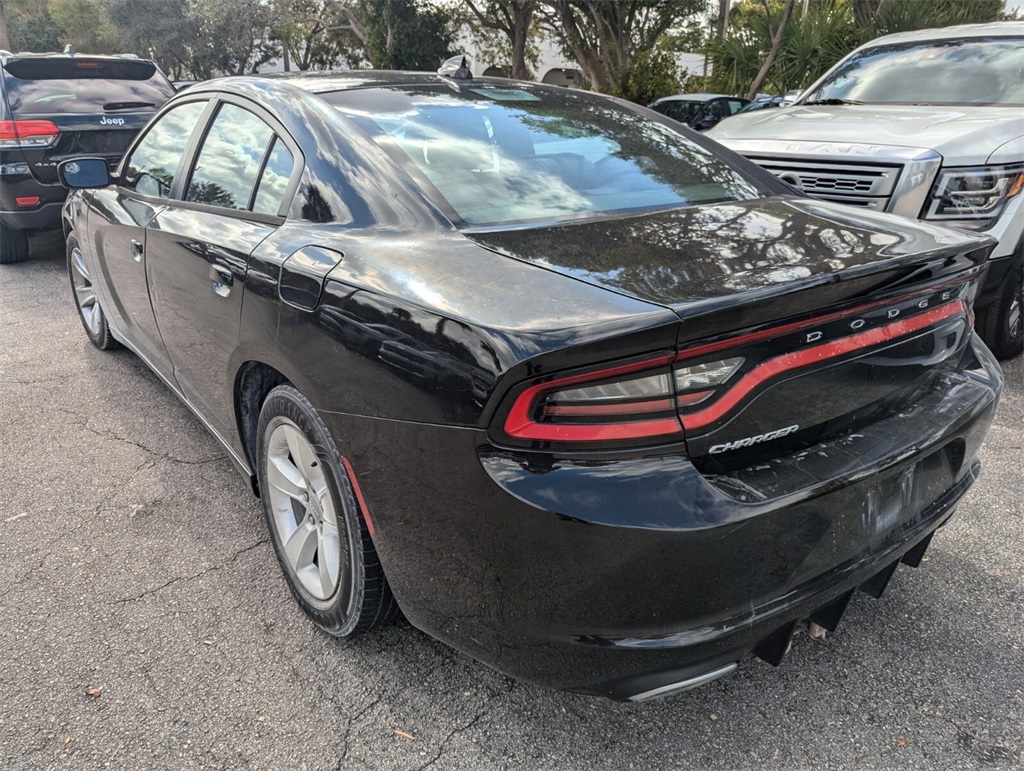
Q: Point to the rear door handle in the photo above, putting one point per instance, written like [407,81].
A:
[136,250]
[221,279]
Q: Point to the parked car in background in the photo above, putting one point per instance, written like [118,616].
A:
[591,400]
[698,111]
[762,103]
[927,124]
[56,106]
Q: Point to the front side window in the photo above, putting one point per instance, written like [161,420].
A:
[153,163]
[510,155]
[230,159]
[954,72]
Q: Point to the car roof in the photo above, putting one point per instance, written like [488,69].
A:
[992,29]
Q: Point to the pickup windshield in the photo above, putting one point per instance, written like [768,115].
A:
[971,71]
[499,156]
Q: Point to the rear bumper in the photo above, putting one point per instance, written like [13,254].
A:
[626,576]
[44,216]
[16,181]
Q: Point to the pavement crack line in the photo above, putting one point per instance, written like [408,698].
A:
[179,579]
[444,742]
[83,422]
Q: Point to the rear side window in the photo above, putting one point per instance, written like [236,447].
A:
[230,159]
[82,85]
[154,162]
[274,180]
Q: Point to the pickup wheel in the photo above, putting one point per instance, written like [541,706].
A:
[88,304]
[315,522]
[1000,324]
[13,245]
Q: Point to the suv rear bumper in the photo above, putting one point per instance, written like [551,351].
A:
[637,576]
[44,216]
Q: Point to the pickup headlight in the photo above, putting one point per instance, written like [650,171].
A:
[973,197]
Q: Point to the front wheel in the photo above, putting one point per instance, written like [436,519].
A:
[315,522]
[1000,324]
[88,304]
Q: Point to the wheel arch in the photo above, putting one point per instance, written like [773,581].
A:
[253,381]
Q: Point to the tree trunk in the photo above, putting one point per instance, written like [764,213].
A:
[787,13]
[520,35]
[723,17]
[5,41]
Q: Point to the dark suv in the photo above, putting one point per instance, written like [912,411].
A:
[55,106]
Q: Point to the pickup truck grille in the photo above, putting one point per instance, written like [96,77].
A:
[869,185]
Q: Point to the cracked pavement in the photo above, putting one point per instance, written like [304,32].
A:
[134,560]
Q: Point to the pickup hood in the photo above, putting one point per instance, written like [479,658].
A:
[961,135]
[703,257]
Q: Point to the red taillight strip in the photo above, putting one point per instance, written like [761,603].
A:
[359,495]
[814,354]
[23,129]
[771,332]
[521,425]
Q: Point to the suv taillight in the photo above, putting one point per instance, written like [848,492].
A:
[27,133]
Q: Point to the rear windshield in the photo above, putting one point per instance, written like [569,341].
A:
[81,85]
[508,155]
[954,72]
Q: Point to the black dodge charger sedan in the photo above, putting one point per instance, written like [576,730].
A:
[585,395]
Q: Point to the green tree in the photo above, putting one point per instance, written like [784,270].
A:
[605,36]
[84,24]
[513,21]
[406,34]
[314,34]
[29,26]
[234,37]
[155,29]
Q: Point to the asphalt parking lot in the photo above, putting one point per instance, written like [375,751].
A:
[144,621]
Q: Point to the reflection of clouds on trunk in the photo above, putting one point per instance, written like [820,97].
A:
[706,251]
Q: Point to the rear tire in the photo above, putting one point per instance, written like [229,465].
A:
[89,311]
[13,245]
[1000,324]
[319,534]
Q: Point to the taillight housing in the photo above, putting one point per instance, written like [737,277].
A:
[638,402]
[27,133]
[628,402]
[653,400]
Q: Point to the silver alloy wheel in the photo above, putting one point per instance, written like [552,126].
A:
[303,510]
[1013,323]
[88,305]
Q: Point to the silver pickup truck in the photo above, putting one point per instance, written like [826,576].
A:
[927,124]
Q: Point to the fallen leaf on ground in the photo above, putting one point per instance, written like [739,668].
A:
[901,742]
[94,692]
[403,733]
[207,642]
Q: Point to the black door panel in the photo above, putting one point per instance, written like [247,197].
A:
[118,222]
[197,263]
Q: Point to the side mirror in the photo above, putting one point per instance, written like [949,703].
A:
[705,123]
[83,173]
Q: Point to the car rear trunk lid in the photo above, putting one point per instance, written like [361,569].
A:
[799,320]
